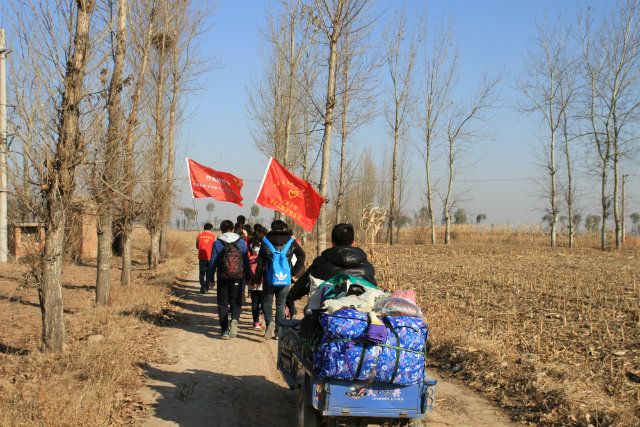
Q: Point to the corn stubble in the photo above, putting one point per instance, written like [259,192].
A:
[552,334]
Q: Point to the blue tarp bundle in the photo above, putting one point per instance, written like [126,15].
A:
[345,352]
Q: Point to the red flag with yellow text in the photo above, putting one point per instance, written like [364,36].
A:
[284,192]
[206,182]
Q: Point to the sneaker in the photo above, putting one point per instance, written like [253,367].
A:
[268,334]
[225,335]
[256,325]
[202,290]
[233,331]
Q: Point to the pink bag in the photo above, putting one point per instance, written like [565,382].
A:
[410,295]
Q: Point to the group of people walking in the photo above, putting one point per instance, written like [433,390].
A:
[269,266]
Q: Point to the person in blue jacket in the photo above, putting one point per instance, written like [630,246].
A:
[229,259]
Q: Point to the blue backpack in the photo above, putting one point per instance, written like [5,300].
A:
[279,269]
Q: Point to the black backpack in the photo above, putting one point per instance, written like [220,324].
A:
[231,266]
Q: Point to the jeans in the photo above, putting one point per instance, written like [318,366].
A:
[229,297]
[280,294]
[203,265]
[256,305]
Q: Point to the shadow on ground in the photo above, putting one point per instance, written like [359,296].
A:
[199,398]
[216,397]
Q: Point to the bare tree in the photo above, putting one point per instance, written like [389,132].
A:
[358,63]
[611,71]
[60,180]
[461,131]
[130,209]
[439,77]
[403,174]
[335,19]
[546,72]
[175,65]
[275,99]
[566,97]
[112,150]
[402,48]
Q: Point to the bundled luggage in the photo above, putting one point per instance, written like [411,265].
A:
[356,347]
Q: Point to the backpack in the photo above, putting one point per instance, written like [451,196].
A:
[231,265]
[279,267]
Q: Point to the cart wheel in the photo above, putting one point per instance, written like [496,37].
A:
[307,414]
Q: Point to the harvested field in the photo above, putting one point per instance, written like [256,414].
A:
[552,334]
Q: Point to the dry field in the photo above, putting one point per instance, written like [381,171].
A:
[92,383]
[551,334]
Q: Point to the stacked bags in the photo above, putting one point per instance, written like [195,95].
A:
[357,345]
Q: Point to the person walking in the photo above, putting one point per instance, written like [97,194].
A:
[229,259]
[276,271]
[204,245]
[255,289]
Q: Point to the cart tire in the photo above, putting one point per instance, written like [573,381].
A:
[307,414]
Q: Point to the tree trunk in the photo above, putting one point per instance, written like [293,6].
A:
[125,274]
[552,171]
[54,335]
[605,208]
[394,181]
[154,251]
[170,159]
[616,192]
[59,184]
[326,140]
[292,73]
[156,210]
[340,196]
[129,210]
[105,237]
[567,153]
[447,201]
[111,162]
[430,197]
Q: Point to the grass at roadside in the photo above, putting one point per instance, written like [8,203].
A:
[93,382]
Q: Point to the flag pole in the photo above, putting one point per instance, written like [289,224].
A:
[190,181]
[263,179]
[193,197]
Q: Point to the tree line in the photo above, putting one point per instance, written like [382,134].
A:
[333,66]
[98,91]
[98,94]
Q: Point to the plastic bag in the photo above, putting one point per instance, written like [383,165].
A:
[397,306]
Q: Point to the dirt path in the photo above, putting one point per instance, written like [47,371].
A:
[213,382]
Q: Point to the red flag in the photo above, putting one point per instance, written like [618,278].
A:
[283,191]
[206,182]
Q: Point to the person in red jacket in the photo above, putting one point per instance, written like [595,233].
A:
[204,243]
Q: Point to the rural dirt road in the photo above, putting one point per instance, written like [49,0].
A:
[207,381]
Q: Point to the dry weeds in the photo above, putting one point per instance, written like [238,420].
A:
[93,382]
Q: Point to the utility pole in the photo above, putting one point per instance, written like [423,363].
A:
[3,151]
[624,179]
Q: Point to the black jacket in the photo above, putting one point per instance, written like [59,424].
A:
[278,239]
[338,259]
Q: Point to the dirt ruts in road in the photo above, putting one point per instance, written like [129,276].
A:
[208,381]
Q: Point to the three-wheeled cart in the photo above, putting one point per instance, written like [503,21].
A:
[326,401]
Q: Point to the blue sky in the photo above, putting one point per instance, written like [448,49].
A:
[492,35]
